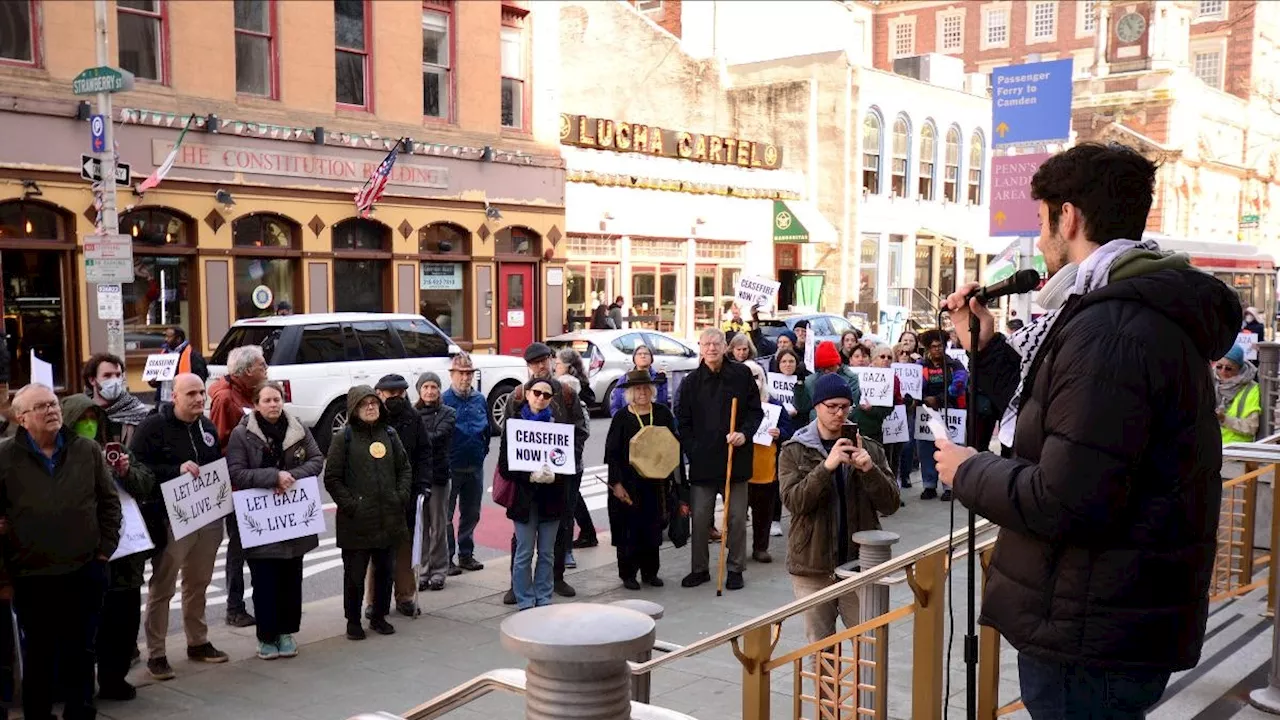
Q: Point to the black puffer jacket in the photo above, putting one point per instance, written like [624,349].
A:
[440,419]
[1109,507]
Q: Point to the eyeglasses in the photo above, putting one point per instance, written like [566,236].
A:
[367,404]
[837,408]
[43,407]
[541,393]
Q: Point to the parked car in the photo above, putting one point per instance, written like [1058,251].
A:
[821,325]
[318,357]
[607,354]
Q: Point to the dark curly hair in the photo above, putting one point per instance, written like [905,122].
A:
[1111,185]
[928,337]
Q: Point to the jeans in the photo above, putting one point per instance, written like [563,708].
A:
[1062,691]
[118,634]
[928,468]
[534,588]
[465,495]
[277,597]
[58,616]
[235,568]
[355,563]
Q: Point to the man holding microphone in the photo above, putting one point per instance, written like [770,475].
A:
[1108,507]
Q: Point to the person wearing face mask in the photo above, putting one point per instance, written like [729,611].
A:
[121,605]
[440,420]
[408,424]
[104,382]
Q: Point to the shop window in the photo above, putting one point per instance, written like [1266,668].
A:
[928,160]
[362,260]
[267,266]
[947,270]
[444,239]
[352,40]
[30,221]
[18,33]
[976,165]
[871,149]
[704,298]
[33,256]
[901,151]
[951,181]
[970,265]
[437,51]
[869,273]
[442,285]
[164,277]
[516,241]
[255,47]
[514,62]
[140,33]
[361,234]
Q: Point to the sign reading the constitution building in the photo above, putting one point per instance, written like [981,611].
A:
[257,161]
[619,136]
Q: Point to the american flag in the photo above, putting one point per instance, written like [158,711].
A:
[377,182]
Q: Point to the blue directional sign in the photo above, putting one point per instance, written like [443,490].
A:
[1031,103]
[98,132]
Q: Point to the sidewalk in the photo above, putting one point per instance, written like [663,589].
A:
[457,638]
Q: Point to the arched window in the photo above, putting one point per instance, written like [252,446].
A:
[23,220]
[928,160]
[444,275]
[977,151]
[901,153]
[951,181]
[871,149]
[156,228]
[516,241]
[361,264]
[164,277]
[267,264]
[444,238]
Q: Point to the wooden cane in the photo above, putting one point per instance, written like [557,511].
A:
[724,520]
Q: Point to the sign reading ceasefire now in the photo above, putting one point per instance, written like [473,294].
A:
[588,132]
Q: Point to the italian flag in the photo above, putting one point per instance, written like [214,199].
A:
[154,178]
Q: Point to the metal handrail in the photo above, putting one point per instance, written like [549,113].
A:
[984,528]
[505,679]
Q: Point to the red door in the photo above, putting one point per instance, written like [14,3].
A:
[515,308]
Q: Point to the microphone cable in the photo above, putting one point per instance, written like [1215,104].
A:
[951,535]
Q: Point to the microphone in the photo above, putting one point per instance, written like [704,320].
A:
[1023,281]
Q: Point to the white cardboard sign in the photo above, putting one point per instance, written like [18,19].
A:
[271,516]
[752,290]
[783,389]
[134,537]
[535,446]
[771,415]
[894,429]
[959,354]
[161,367]
[876,385]
[1249,343]
[418,531]
[956,420]
[193,502]
[911,377]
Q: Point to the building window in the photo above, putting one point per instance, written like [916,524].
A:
[164,277]
[1211,10]
[871,153]
[362,261]
[951,33]
[255,51]
[436,51]
[513,72]
[267,264]
[928,159]
[140,30]
[951,180]
[648,5]
[516,241]
[18,32]
[442,285]
[901,146]
[976,165]
[867,275]
[710,294]
[351,36]
[1088,15]
[1208,67]
[997,33]
[1044,20]
[904,39]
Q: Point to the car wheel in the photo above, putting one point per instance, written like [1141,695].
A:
[333,420]
[498,403]
[608,398]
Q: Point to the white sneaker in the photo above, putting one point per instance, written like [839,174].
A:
[775,529]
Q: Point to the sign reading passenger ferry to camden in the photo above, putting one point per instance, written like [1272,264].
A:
[1031,103]
[603,134]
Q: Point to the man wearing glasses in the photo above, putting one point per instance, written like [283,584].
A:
[466,460]
[834,487]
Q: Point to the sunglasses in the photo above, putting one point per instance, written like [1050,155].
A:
[1225,366]
[541,393]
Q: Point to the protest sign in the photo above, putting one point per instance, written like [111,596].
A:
[961,355]
[193,502]
[783,389]
[534,446]
[771,414]
[418,531]
[161,367]
[1249,343]
[271,516]
[911,377]
[876,385]
[757,291]
[894,429]
[956,420]
[811,347]
[134,537]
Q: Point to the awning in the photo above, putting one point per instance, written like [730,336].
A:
[798,221]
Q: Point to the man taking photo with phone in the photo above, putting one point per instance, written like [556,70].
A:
[834,486]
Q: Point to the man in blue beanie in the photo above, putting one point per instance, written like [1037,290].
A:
[834,487]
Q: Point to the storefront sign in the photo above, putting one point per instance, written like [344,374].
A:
[194,502]
[440,276]
[255,161]
[270,516]
[602,134]
[756,291]
[539,446]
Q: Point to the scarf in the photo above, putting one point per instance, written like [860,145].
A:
[527,413]
[274,432]
[1092,274]
[1228,388]
[128,410]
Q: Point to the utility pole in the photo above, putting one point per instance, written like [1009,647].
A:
[110,297]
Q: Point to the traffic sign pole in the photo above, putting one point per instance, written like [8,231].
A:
[110,218]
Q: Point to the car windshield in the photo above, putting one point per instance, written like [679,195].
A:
[263,335]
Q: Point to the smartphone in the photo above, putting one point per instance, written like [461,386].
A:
[850,431]
[114,451]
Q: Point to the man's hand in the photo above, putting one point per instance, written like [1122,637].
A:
[839,454]
[865,404]
[122,466]
[948,457]
[961,307]
[860,458]
[190,468]
[735,439]
[684,509]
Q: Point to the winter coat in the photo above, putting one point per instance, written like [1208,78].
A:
[440,420]
[251,467]
[229,402]
[702,415]
[1109,506]
[368,475]
[548,498]
[412,430]
[618,398]
[471,431]
[564,404]
[163,443]
[809,493]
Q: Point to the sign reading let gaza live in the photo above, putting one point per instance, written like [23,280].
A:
[1031,103]
[588,132]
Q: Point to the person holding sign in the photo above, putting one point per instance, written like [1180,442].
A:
[189,361]
[762,488]
[944,378]
[176,441]
[1239,404]
[271,449]
[369,475]
[122,602]
[640,506]
[538,502]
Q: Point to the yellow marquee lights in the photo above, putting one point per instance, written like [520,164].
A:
[670,185]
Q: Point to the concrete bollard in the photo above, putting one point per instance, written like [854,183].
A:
[578,657]
[641,684]
[874,547]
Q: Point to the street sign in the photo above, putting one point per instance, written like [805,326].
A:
[98,133]
[1031,103]
[102,79]
[1248,222]
[91,170]
[1013,212]
[108,259]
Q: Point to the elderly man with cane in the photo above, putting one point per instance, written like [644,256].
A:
[715,438]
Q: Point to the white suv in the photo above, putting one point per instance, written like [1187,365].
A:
[318,357]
